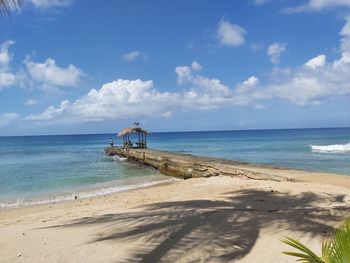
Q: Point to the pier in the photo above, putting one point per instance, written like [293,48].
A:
[191,166]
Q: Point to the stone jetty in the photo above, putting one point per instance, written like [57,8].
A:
[191,166]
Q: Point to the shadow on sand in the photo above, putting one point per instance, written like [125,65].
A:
[221,230]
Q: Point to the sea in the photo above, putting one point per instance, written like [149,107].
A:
[46,169]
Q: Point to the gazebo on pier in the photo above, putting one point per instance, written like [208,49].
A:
[142,138]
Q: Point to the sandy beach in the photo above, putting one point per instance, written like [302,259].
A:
[217,219]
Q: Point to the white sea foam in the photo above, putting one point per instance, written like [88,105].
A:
[81,195]
[334,148]
[121,159]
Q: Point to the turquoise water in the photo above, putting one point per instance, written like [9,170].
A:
[326,150]
[43,167]
[36,168]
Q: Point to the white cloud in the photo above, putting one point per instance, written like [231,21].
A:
[46,4]
[211,87]
[5,55]
[260,2]
[316,62]
[318,5]
[47,74]
[167,114]
[7,78]
[134,55]
[196,66]
[122,99]
[251,82]
[275,50]
[184,73]
[247,86]
[311,83]
[230,34]
[314,81]
[8,118]
[52,76]
[115,100]
[50,113]
[30,102]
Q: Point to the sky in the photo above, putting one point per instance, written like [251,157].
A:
[75,66]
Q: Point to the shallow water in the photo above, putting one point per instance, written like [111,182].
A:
[43,168]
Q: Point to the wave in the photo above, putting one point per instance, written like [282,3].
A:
[81,195]
[334,148]
[121,159]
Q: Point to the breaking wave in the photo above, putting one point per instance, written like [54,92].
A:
[334,148]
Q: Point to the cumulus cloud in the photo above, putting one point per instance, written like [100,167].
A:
[123,99]
[245,91]
[50,113]
[318,5]
[252,81]
[229,34]
[275,50]
[5,55]
[47,4]
[114,100]
[7,78]
[50,75]
[310,83]
[184,73]
[314,81]
[8,118]
[316,62]
[134,55]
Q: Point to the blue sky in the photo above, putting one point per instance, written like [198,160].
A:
[72,66]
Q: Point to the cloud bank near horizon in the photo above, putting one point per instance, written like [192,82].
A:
[311,83]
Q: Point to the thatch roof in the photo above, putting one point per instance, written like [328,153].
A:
[131,130]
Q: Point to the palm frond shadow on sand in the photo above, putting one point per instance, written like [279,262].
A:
[221,230]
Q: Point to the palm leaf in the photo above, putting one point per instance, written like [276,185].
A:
[8,6]
[307,255]
[334,250]
[337,248]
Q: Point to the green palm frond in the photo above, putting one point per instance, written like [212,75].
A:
[8,6]
[336,249]
[306,256]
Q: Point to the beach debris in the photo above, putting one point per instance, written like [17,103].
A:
[19,254]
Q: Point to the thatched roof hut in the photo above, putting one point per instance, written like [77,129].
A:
[142,137]
[131,130]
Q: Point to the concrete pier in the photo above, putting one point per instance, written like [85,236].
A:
[190,166]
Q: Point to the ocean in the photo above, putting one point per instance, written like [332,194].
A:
[44,169]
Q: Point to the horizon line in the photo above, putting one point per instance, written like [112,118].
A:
[182,131]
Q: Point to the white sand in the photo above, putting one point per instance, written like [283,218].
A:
[218,219]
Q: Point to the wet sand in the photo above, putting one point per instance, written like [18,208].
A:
[216,219]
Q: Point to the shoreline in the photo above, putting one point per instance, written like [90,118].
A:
[88,192]
[216,219]
[201,219]
[273,172]
[284,174]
